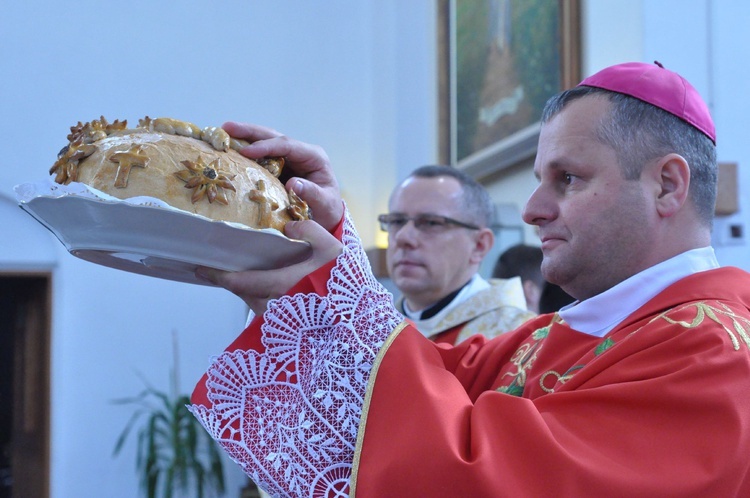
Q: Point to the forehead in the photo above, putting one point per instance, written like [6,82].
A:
[571,134]
[439,194]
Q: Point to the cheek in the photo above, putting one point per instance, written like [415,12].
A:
[453,257]
[579,216]
[607,219]
[588,223]
[390,253]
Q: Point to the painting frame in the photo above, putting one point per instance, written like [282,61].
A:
[504,149]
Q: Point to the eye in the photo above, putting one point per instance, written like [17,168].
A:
[392,222]
[398,222]
[429,222]
[432,223]
[569,179]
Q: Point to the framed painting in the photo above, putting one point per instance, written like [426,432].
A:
[499,62]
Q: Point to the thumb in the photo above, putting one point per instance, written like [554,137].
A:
[256,287]
[325,246]
[324,201]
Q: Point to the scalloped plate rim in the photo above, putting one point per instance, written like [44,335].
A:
[271,248]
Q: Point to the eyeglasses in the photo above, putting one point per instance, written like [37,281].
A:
[427,223]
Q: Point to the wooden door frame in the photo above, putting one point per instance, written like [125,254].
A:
[30,448]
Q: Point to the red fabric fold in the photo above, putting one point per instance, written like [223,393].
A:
[623,415]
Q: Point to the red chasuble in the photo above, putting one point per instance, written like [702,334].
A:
[658,407]
[328,395]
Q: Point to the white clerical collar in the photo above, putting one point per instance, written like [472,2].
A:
[598,315]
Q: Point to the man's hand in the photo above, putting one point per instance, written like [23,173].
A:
[313,179]
[257,287]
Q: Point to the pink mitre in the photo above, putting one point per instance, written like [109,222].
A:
[654,84]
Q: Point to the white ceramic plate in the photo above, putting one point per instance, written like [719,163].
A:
[159,242]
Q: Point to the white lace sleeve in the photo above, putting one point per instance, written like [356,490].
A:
[289,416]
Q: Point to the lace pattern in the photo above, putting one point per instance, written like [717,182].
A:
[289,416]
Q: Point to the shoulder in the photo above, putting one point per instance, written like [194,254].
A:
[501,292]
[727,320]
[714,301]
[496,321]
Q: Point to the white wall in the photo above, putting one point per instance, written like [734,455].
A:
[345,75]
[730,72]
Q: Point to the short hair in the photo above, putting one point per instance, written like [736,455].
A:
[475,199]
[640,132]
[523,261]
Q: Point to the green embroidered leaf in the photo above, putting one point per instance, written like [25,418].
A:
[605,345]
[513,389]
[541,333]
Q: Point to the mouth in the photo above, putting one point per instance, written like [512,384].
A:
[550,242]
[407,263]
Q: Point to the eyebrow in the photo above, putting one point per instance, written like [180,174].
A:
[553,166]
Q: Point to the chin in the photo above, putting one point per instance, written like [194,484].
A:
[407,285]
[552,273]
[404,284]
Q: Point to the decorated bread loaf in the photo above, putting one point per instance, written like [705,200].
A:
[192,169]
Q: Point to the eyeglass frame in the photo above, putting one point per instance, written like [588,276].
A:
[445,220]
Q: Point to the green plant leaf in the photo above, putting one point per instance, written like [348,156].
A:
[174,452]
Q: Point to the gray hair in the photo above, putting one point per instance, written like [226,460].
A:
[476,201]
[640,132]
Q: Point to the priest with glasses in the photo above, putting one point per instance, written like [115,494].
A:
[438,234]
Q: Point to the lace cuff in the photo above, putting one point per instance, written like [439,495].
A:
[289,416]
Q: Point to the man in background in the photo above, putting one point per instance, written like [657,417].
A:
[438,235]
[525,261]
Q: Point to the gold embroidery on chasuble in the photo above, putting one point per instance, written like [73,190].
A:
[523,360]
[556,378]
[737,328]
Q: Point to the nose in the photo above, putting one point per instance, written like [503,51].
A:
[539,208]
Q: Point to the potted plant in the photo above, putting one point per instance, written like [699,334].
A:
[175,454]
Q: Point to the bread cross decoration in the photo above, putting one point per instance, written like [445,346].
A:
[266,204]
[127,160]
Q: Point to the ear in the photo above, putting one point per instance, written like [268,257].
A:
[484,239]
[673,174]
